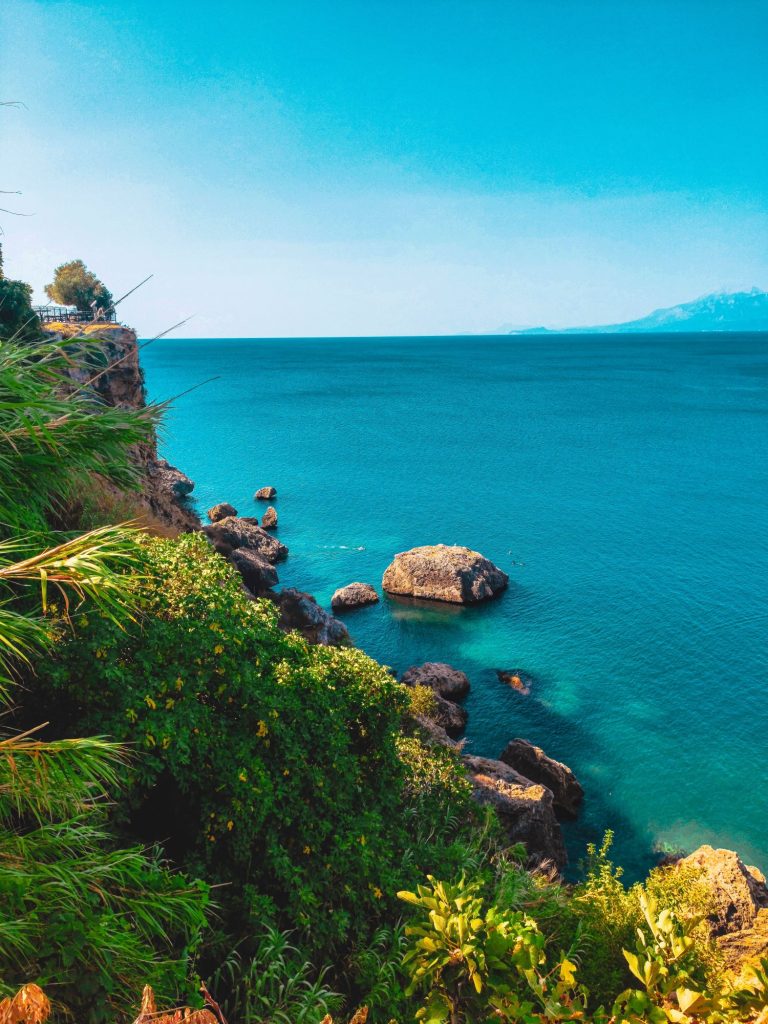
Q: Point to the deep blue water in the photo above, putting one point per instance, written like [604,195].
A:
[620,480]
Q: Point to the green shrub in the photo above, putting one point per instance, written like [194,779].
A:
[266,763]
[422,700]
[609,914]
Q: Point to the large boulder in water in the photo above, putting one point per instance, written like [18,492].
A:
[354,595]
[446,681]
[269,519]
[265,494]
[535,765]
[439,572]
[525,809]
[231,533]
[301,612]
[221,511]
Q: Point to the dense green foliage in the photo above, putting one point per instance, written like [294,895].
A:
[472,961]
[88,920]
[53,439]
[75,285]
[298,793]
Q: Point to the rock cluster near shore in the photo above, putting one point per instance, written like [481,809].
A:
[438,572]
[221,511]
[528,803]
[525,808]
[244,532]
[535,765]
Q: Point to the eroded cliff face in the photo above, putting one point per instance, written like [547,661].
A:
[115,374]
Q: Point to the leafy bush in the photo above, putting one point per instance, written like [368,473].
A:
[471,961]
[609,914]
[266,762]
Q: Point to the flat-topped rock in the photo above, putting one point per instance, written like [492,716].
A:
[301,612]
[525,809]
[354,595]
[265,494]
[269,519]
[534,764]
[258,574]
[438,572]
[231,533]
[445,680]
[221,511]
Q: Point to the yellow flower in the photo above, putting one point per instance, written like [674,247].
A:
[230,825]
[218,649]
[377,892]
[179,683]
[307,850]
[242,776]
[261,729]
[150,703]
[286,771]
[363,840]
[169,703]
[273,713]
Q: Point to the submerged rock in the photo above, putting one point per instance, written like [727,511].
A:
[258,574]
[525,809]
[438,572]
[535,765]
[354,595]
[232,532]
[445,680]
[221,511]
[515,678]
[269,519]
[265,494]
[301,612]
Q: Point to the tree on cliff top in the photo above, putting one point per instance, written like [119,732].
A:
[75,285]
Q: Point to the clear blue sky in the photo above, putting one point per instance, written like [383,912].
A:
[371,167]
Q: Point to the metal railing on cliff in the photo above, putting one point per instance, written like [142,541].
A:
[69,315]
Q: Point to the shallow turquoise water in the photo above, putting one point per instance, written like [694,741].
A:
[621,481]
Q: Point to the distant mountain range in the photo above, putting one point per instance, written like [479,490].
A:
[734,311]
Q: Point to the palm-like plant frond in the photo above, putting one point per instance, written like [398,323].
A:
[60,432]
[88,566]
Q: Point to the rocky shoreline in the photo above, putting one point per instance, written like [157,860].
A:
[530,791]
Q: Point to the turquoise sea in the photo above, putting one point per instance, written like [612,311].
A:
[621,481]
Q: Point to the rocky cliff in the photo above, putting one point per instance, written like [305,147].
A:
[114,373]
